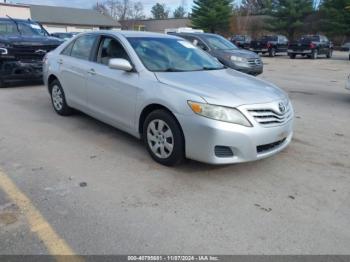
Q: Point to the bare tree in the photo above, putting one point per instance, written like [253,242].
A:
[121,9]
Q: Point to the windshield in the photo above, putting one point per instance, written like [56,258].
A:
[310,38]
[219,43]
[172,55]
[9,27]
[269,38]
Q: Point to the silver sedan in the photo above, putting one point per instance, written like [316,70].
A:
[175,97]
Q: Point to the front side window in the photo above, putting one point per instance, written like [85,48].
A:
[110,48]
[172,55]
[82,47]
[219,43]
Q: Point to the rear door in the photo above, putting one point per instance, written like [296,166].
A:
[75,61]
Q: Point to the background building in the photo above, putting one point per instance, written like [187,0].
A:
[155,25]
[60,19]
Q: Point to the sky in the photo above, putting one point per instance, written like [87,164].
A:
[172,4]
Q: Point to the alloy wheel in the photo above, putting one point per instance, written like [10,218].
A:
[160,138]
[57,97]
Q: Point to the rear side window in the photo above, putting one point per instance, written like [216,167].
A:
[82,47]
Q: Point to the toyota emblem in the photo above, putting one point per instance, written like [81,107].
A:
[282,107]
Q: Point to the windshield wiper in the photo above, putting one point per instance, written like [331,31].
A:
[16,23]
[171,70]
[213,68]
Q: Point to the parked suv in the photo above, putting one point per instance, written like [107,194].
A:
[271,44]
[226,52]
[311,46]
[23,44]
[242,41]
[178,99]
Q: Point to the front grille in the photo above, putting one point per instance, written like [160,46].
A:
[269,117]
[269,147]
[223,151]
[31,52]
[254,62]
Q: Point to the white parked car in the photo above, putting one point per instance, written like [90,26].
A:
[181,101]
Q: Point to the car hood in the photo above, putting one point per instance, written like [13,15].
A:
[238,52]
[30,40]
[224,87]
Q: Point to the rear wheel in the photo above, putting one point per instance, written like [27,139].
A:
[272,52]
[2,84]
[314,54]
[163,138]
[58,99]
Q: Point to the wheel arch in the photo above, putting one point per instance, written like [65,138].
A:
[151,108]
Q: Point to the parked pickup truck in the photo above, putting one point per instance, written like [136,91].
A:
[242,41]
[272,44]
[23,45]
[311,46]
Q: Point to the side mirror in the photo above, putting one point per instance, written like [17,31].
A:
[120,64]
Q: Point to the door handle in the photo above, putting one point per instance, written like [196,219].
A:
[92,72]
[60,62]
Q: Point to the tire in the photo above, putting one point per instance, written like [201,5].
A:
[292,56]
[272,52]
[2,84]
[330,54]
[163,138]
[58,99]
[314,54]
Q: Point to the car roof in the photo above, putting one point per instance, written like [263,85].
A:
[132,34]
[17,20]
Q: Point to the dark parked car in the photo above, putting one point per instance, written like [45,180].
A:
[23,44]
[64,36]
[311,46]
[271,44]
[345,47]
[242,41]
[226,52]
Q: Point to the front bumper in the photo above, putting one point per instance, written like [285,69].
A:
[347,86]
[251,70]
[203,136]
[259,50]
[13,70]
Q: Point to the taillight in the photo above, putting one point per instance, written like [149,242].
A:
[312,46]
[269,45]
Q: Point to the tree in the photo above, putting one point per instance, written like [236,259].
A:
[137,11]
[160,11]
[101,8]
[179,12]
[335,17]
[121,9]
[288,16]
[212,15]
[255,7]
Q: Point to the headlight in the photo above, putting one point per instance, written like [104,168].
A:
[220,113]
[239,59]
[3,48]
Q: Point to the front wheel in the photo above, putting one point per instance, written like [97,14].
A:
[330,54]
[163,138]
[58,99]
